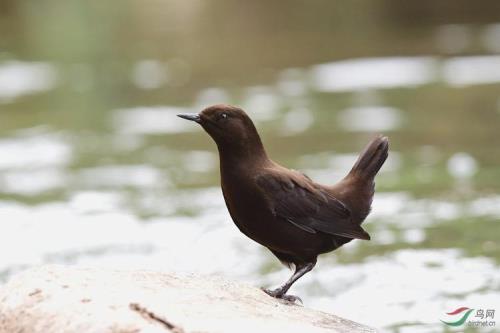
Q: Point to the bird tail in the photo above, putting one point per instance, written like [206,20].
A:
[371,159]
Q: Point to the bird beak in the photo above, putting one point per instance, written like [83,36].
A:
[190,116]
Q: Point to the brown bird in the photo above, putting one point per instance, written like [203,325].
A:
[282,209]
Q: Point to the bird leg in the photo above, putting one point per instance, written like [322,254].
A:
[281,291]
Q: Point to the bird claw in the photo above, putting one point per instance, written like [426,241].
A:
[277,293]
[292,299]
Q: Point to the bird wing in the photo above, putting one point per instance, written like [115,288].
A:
[296,199]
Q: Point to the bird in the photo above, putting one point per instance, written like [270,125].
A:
[282,209]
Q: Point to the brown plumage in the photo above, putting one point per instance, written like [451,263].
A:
[282,209]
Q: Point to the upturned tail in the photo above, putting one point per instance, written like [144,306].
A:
[371,159]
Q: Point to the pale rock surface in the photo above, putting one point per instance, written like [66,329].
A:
[53,299]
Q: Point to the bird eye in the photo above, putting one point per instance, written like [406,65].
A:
[223,116]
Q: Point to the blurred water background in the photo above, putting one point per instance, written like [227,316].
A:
[95,169]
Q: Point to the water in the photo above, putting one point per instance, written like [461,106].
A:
[95,169]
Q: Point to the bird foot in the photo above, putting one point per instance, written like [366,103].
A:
[278,293]
[292,299]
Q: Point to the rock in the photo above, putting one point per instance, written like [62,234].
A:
[75,300]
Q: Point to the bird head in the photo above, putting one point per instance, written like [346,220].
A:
[229,126]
